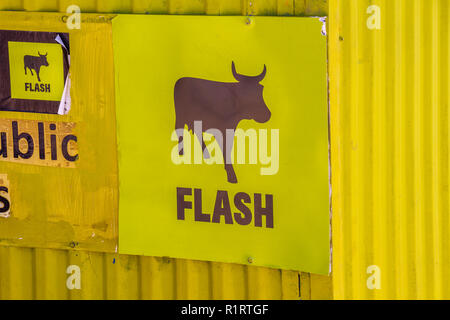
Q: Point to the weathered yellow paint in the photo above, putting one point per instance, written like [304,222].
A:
[389,92]
[215,7]
[27,273]
[315,287]
[58,207]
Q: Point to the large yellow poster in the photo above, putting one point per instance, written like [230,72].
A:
[222,133]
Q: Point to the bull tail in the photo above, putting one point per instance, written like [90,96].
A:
[179,130]
[180,145]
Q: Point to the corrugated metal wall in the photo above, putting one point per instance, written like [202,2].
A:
[213,7]
[390,148]
[27,273]
[389,93]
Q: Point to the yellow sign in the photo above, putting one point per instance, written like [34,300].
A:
[223,139]
[36,71]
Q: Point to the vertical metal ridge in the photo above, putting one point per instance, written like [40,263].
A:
[386,187]
[400,193]
[445,98]
[358,136]
[408,163]
[380,150]
[436,152]
[215,7]
[418,149]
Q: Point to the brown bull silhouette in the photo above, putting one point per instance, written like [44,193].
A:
[35,63]
[221,106]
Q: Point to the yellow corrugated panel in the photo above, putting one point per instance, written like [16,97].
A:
[216,7]
[27,273]
[389,93]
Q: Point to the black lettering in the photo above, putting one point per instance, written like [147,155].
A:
[16,139]
[53,142]
[4,146]
[41,141]
[245,217]
[182,205]
[222,208]
[6,205]
[47,87]
[267,211]
[65,150]
[199,215]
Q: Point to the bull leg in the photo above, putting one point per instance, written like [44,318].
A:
[231,175]
[205,150]
[32,72]
[178,129]
[39,79]
[25,70]
[226,151]
[180,145]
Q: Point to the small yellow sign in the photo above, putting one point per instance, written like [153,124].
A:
[36,70]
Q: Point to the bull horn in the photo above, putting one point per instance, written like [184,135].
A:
[236,75]
[39,53]
[262,75]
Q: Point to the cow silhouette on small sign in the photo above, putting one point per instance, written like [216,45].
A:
[220,106]
[35,63]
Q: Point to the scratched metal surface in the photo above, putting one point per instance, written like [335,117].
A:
[213,7]
[27,273]
[31,273]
